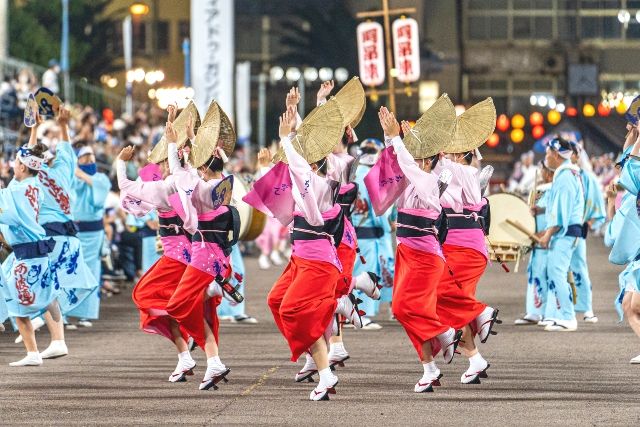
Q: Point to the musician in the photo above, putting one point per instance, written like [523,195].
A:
[374,237]
[419,259]
[621,235]
[594,216]
[465,248]
[229,309]
[537,284]
[91,189]
[564,216]
[69,272]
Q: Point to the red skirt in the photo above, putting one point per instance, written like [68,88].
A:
[457,304]
[152,293]
[415,296]
[347,257]
[189,307]
[303,301]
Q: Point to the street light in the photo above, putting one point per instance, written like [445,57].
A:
[138,9]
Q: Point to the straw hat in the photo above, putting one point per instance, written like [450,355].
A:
[473,127]
[160,152]
[433,131]
[352,101]
[216,130]
[319,132]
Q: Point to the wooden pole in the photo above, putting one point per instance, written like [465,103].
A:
[387,38]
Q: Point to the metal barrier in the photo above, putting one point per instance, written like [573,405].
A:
[79,92]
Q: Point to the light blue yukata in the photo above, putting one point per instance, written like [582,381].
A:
[595,212]
[565,210]
[149,253]
[26,288]
[537,284]
[69,273]
[228,308]
[374,240]
[88,211]
[623,231]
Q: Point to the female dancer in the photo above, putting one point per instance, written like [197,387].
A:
[193,304]
[91,190]
[465,249]
[419,260]
[27,288]
[303,299]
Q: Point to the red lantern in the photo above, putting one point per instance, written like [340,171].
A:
[502,124]
[603,110]
[572,112]
[493,140]
[537,132]
[536,119]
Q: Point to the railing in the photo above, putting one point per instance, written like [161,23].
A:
[79,91]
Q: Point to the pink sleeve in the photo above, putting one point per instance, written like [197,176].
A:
[301,176]
[419,178]
[470,182]
[152,192]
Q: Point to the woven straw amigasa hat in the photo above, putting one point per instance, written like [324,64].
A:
[433,131]
[159,152]
[216,130]
[473,127]
[319,132]
[352,102]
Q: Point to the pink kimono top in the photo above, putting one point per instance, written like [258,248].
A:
[313,200]
[420,198]
[140,197]
[463,193]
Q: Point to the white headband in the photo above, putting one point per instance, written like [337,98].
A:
[84,151]
[27,158]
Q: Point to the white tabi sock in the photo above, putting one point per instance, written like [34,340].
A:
[215,361]
[326,376]
[336,347]
[185,356]
[430,368]
[477,362]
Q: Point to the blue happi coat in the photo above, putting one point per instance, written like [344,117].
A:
[26,288]
[377,252]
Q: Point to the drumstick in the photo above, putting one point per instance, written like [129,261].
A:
[521,228]
[572,283]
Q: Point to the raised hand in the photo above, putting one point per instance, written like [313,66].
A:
[285,124]
[389,123]
[324,91]
[172,110]
[126,154]
[63,116]
[293,98]
[190,127]
[406,127]
[171,133]
[264,157]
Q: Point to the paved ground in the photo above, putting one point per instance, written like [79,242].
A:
[117,375]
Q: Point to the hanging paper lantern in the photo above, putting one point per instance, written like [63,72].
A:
[537,132]
[621,108]
[536,119]
[588,110]
[572,112]
[502,124]
[493,140]
[517,121]
[603,110]
[517,135]
[554,117]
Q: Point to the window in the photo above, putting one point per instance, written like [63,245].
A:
[114,39]
[139,37]
[487,28]
[163,36]
[184,32]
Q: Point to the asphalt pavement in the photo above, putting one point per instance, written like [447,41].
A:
[117,375]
